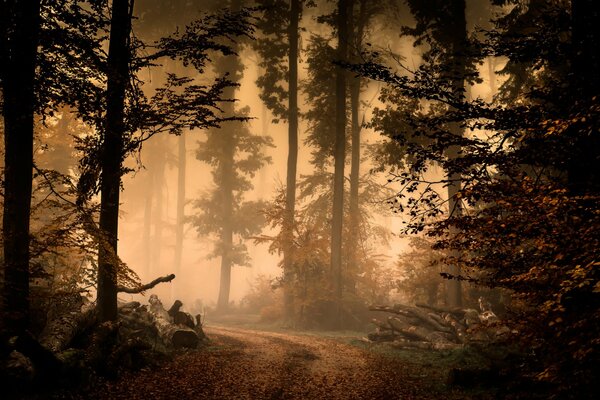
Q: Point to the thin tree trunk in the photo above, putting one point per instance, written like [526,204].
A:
[227,227]
[263,173]
[339,157]
[147,230]
[158,214]
[232,66]
[19,37]
[292,161]
[111,157]
[356,33]
[181,172]
[457,61]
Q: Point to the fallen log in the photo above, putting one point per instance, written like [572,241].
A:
[426,326]
[389,309]
[173,335]
[459,329]
[411,344]
[423,316]
[459,312]
[419,333]
[382,336]
[58,333]
[384,326]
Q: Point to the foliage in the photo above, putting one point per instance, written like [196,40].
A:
[320,94]
[368,282]
[272,48]
[526,226]
[183,102]
[64,234]
[264,298]
[248,157]
[419,273]
[71,70]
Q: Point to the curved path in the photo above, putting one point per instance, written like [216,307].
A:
[248,364]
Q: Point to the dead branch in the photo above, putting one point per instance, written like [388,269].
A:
[143,288]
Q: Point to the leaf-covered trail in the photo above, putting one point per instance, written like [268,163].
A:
[249,364]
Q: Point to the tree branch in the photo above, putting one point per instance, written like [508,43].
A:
[143,288]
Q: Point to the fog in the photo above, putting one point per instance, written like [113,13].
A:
[149,200]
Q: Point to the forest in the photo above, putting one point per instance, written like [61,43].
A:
[299,199]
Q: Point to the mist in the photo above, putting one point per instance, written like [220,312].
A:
[299,199]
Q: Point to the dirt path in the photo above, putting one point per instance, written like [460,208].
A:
[248,364]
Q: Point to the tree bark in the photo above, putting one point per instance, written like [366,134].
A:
[181,172]
[159,193]
[339,156]
[227,223]
[147,229]
[356,33]
[458,39]
[292,161]
[173,335]
[111,158]
[584,163]
[147,286]
[229,65]
[19,37]
[58,333]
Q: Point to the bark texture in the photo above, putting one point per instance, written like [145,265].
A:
[111,158]
[173,335]
[292,161]
[457,63]
[232,66]
[339,155]
[19,36]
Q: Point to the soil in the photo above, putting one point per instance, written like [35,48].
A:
[250,364]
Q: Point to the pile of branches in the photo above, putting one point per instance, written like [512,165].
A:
[429,327]
[75,346]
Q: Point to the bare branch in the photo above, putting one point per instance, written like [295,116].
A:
[143,288]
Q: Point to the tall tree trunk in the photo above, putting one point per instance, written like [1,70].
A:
[232,66]
[584,165]
[111,158]
[226,231]
[339,156]
[356,34]
[457,63]
[227,169]
[181,172]
[147,230]
[158,214]
[292,161]
[19,38]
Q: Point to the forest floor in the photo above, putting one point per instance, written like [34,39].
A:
[252,364]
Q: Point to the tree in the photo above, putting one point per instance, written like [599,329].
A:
[358,27]
[112,155]
[585,163]
[20,27]
[272,49]
[180,104]
[523,218]
[448,27]
[180,219]
[339,149]
[235,156]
